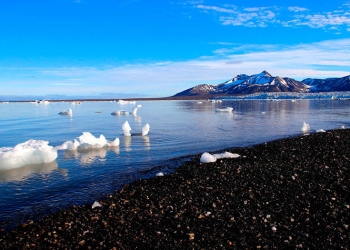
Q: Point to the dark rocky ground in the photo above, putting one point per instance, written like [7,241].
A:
[286,194]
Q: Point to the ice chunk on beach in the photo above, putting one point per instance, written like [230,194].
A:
[126,129]
[145,129]
[306,127]
[88,141]
[27,153]
[226,155]
[96,204]
[206,157]
[321,131]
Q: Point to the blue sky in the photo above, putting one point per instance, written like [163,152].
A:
[161,47]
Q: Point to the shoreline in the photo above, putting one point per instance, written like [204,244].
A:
[289,193]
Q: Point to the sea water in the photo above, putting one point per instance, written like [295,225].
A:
[177,129]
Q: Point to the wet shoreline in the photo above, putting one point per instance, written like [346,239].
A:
[287,194]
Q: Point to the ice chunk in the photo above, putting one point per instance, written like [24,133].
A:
[160,174]
[120,112]
[29,152]
[306,127]
[88,141]
[321,130]
[96,204]
[134,112]
[122,102]
[145,129]
[126,129]
[206,158]
[227,109]
[114,143]
[226,155]
[64,112]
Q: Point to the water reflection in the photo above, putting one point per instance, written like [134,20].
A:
[20,174]
[127,143]
[146,142]
[89,156]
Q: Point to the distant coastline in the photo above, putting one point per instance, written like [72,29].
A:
[255,96]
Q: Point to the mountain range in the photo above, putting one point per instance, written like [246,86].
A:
[264,82]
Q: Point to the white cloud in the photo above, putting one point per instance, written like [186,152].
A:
[297,9]
[264,16]
[250,17]
[217,9]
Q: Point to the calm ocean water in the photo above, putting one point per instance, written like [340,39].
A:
[177,129]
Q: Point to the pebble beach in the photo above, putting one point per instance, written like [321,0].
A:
[291,193]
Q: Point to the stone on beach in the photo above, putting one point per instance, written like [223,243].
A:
[286,194]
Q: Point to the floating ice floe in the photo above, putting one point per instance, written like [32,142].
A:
[88,141]
[27,153]
[227,109]
[96,204]
[306,127]
[120,112]
[64,112]
[207,157]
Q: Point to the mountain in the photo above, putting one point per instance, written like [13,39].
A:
[329,84]
[264,82]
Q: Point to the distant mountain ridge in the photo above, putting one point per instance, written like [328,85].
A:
[264,83]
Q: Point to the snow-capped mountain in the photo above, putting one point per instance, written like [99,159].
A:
[329,84]
[264,82]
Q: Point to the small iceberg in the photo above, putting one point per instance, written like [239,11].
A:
[27,153]
[126,129]
[134,112]
[64,112]
[227,109]
[145,129]
[88,141]
[321,131]
[305,128]
[207,157]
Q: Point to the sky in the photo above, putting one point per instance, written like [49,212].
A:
[158,48]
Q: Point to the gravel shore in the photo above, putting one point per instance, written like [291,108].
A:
[287,194]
